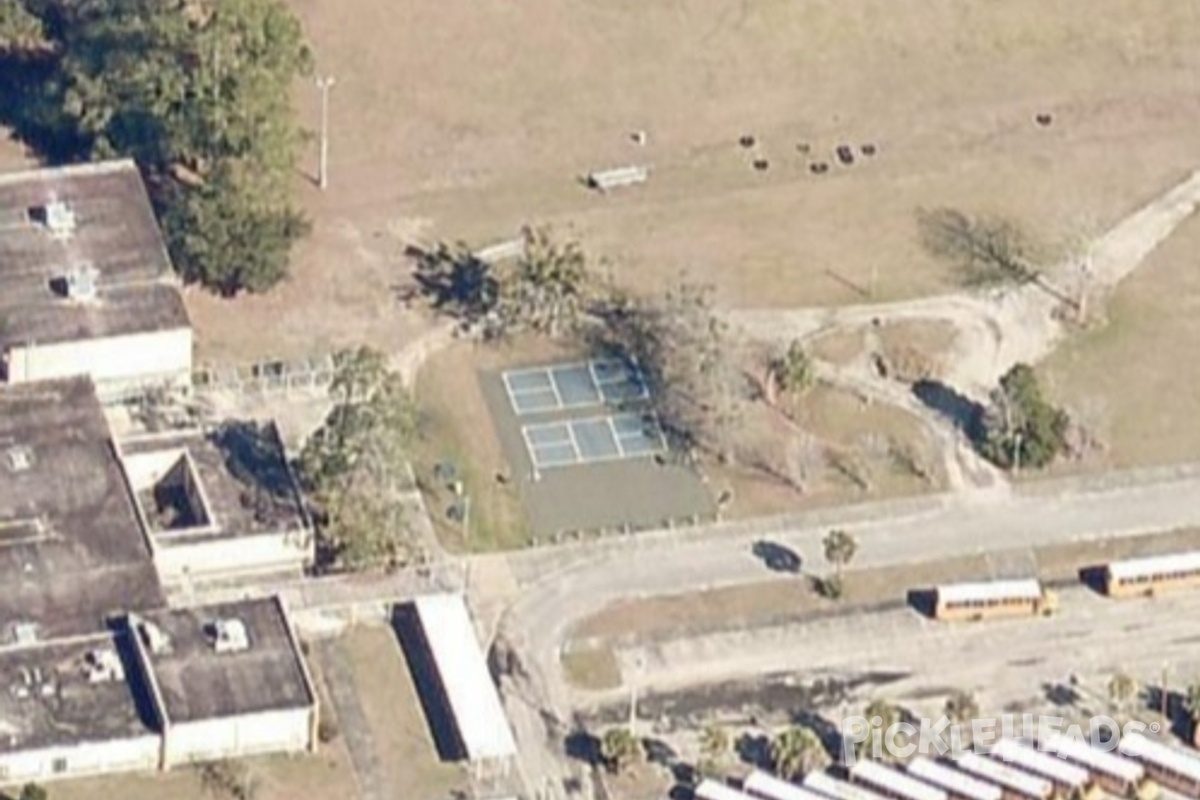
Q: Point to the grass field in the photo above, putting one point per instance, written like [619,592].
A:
[1135,379]
[409,762]
[427,144]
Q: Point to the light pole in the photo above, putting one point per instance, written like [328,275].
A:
[323,170]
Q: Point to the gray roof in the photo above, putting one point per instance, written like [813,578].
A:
[114,232]
[242,469]
[72,709]
[72,552]
[197,683]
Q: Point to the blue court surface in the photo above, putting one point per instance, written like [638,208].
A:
[540,390]
[592,440]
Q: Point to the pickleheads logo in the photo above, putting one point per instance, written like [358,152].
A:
[866,738]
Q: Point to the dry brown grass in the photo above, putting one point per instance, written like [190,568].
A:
[389,698]
[591,667]
[839,346]
[459,428]
[428,144]
[1135,379]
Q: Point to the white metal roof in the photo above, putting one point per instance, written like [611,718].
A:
[473,698]
[769,787]
[894,781]
[1003,775]
[952,780]
[1093,758]
[989,590]
[1044,764]
[1154,751]
[1156,565]
[715,790]
[837,790]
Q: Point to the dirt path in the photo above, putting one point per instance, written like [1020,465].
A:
[994,332]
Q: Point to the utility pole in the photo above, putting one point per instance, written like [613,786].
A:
[324,85]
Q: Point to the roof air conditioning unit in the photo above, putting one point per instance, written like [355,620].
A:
[59,218]
[81,282]
[229,636]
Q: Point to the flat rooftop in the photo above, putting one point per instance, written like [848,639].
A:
[112,229]
[72,552]
[197,682]
[47,699]
[245,484]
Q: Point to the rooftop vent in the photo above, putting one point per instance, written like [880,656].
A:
[229,636]
[80,282]
[153,637]
[103,666]
[55,215]
[25,633]
[20,458]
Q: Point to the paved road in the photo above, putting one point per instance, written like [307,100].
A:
[1002,661]
[566,585]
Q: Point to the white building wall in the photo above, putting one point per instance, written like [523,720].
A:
[287,731]
[88,758]
[268,552]
[162,356]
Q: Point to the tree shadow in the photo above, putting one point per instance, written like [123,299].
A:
[1061,695]
[962,411]
[777,557]
[583,746]
[754,749]
[31,106]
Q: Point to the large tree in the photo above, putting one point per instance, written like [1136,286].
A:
[545,290]
[1022,429]
[198,92]
[690,359]
[355,464]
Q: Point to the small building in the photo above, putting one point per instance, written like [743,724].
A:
[67,709]
[461,689]
[218,503]
[766,786]
[1112,772]
[1066,777]
[86,285]
[72,552]
[227,681]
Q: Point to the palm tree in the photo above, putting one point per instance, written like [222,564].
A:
[888,714]
[798,751]
[840,548]
[1122,688]
[962,709]
[714,744]
[618,748]
[548,290]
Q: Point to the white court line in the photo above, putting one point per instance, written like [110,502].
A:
[575,444]
[616,436]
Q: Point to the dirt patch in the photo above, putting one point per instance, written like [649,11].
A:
[838,347]
[914,350]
